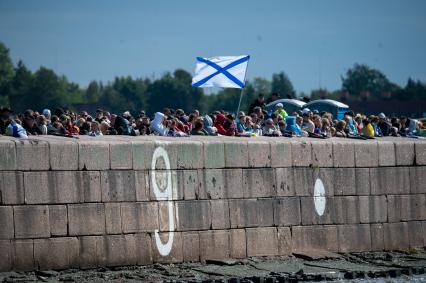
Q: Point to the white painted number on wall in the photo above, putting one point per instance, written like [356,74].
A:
[319,197]
[165,194]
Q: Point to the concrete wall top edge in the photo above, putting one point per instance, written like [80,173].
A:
[125,152]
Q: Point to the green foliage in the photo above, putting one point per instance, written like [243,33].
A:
[6,70]
[21,89]
[363,82]
[282,84]
[173,91]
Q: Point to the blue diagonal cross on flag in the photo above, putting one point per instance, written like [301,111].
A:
[222,71]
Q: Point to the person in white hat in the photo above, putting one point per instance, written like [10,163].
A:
[280,110]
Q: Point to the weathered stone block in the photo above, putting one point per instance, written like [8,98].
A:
[118,185]
[281,154]
[139,217]
[413,207]
[31,221]
[322,154]
[190,155]
[386,153]
[287,211]
[113,218]
[214,184]
[389,180]
[194,215]
[6,222]
[420,148]
[372,209]
[236,154]
[8,155]
[118,250]
[191,246]
[52,187]
[396,236]
[259,183]
[32,155]
[354,238]
[259,154]
[63,155]
[366,154]
[284,241]
[262,241]
[237,244]
[188,184]
[93,155]
[86,219]
[214,154]
[176,253]
[301,153]
[424,232]
[163,216]
[314,238]
[310,214]
[142,151]
[12,187]
[415,234]
[251,213]
[220,214]
[377,237]
[303,180]
[58,219]
[362,181]
[161,179]
[6,255]
[56,253]
[233,183]
[89,184]
[394,208]
[346,210]
[343,154]
[418,180]
[91,251]
[214,244]
[344,181]
[404,152]
[143,249]
[120,154]
[142,180]
[23,255]
[284,181]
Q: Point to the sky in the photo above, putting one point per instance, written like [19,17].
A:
[314,42]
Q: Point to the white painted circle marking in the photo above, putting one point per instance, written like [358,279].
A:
[319,197]
[163,194]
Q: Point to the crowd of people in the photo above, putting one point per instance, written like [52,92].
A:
[257,122]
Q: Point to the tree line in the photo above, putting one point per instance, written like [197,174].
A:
[20,89]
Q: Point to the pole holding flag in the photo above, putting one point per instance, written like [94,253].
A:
[221,71]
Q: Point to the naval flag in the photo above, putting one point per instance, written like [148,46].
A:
[222,71]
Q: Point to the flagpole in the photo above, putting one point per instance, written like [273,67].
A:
[241,97]
[242,89]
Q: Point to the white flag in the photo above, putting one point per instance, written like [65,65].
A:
[223,71]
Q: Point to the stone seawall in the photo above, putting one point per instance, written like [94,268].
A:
[120,200]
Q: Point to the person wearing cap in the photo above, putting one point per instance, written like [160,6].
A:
[307,124]
[292,127]
[280,110]
[384,125]
[270,129]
